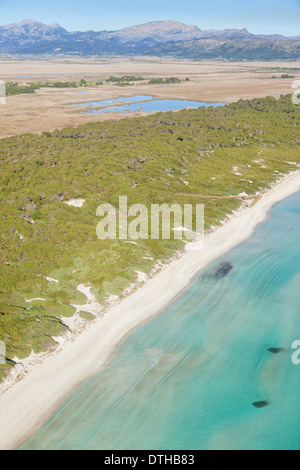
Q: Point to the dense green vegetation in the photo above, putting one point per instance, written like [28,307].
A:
[123,81]
[13,88]
[164,81]
[125,78]
[228,150]
[278,69]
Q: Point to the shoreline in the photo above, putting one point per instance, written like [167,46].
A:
[29,402]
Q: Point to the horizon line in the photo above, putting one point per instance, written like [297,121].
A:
[147,22]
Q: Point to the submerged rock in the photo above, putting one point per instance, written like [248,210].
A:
[223,270]
[260,404]
[275,350]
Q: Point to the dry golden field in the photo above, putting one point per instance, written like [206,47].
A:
[48,108]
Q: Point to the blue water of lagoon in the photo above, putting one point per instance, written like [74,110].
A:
[188,379]
[142,103]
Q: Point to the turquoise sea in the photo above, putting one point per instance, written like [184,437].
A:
[188,379]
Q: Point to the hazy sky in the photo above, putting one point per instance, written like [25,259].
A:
[259,16]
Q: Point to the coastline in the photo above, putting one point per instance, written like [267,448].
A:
[29,402]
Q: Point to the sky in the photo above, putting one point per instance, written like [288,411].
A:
[258,16]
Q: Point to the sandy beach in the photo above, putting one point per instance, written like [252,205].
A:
[32,399]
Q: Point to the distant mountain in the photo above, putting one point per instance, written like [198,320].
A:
[235,49]
[31,37]
[29,31]
[170,38]
[158,31]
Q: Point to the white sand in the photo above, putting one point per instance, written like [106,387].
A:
[75,202]
[27,404]
[50,279]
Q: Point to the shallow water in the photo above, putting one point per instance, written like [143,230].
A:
[143,103]
[188,379]
[120,100]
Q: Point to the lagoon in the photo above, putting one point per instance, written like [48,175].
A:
[142,103]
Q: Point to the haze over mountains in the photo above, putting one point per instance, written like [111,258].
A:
[160,38]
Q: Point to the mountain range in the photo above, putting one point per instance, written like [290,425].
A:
[158,38]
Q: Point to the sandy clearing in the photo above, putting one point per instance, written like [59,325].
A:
[75,202]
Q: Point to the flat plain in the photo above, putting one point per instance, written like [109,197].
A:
[47,109]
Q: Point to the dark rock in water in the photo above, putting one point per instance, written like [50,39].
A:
[223,270]
[275,350]
[261,404]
